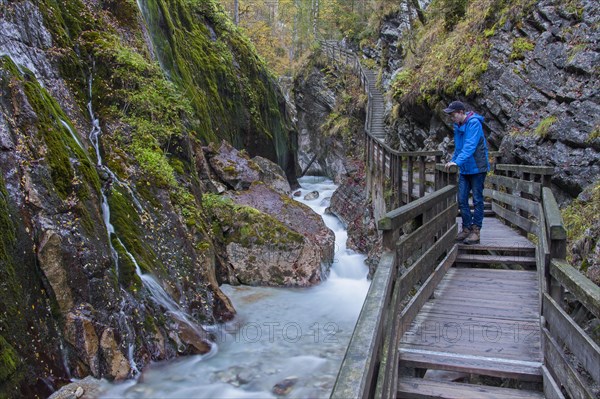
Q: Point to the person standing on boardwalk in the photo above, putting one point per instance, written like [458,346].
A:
[471,157]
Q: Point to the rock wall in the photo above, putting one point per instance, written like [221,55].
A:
[539,94]
[103,175]
[330,111]
[325,136]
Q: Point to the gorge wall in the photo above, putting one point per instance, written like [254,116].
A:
[530,69]
[111,252]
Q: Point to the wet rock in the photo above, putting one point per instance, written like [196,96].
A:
[117,364]
[296,216]
[311,196]
[195,337]
[233,167]
[284,387]
[272,175]
[51,263]
[87,388]
[81,334]
[315,98]
[297,193]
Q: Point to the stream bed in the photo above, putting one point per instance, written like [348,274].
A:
[283,341]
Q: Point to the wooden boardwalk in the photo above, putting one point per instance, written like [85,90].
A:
[479,320]
[485,313]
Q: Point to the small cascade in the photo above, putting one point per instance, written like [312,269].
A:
[124,324]
[68,127]
[156,291]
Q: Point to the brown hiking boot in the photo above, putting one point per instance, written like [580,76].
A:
[474,237]
[460,237]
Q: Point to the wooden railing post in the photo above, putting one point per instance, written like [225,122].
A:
[557,238]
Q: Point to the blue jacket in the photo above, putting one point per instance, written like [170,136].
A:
[471,152]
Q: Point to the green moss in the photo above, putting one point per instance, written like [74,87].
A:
[520,46]
[127,223]
[60,144]
[544,126]
[447,56]
[580,216]
[246,225]
[220,71]
[594,135]
[8,239]
[9,360]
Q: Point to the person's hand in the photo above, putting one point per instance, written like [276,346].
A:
[449,165]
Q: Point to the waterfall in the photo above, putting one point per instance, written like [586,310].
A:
[156,291]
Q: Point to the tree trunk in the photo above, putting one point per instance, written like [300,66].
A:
[315,17]
[236,12]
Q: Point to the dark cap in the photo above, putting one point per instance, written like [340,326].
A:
[455,106]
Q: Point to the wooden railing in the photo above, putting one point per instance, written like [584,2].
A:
[521,196]
[405,176]
[415,236]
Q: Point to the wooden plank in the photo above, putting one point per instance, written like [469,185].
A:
[495,273]
[408,244]
[583,288]
[388,371]
[396,218]
[517,202]
[356,372]
[537,170]
[491,259]
[565,374]
[492,366]
[554,221]
[418,300]
[425,264]
[580,344]
[513,218]
[491,313]
[418,388]
[498,248]
[523,186]
[551,388]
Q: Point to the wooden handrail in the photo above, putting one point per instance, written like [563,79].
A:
[538,170]
[393,220]
[555,274]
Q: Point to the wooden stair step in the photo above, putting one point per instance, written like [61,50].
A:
[508,259]
[492,366]
[419,388]
[505,249]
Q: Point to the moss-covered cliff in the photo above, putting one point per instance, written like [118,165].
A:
[79,222]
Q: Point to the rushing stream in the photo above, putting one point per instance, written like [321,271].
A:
[283,340]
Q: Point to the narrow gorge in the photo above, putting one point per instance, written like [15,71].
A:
[157,231]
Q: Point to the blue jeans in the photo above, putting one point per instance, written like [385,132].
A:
[466,184]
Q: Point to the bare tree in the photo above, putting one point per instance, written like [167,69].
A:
[236,12]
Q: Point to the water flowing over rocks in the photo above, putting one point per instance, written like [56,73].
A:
[351,204]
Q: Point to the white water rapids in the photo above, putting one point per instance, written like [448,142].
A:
[291,338]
